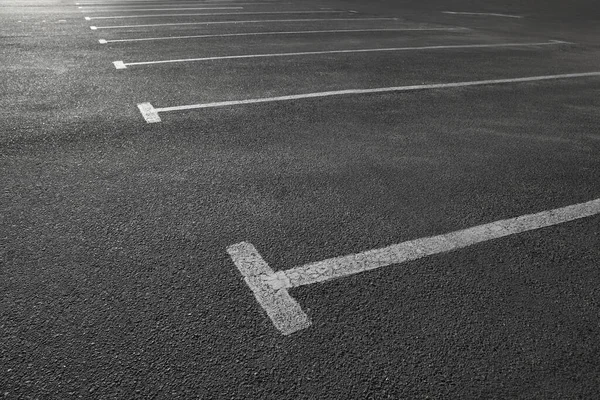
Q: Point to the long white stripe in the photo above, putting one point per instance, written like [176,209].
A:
[482,14]
[271,284]
[307,53]
[163,2]
[154,117]
[259,21]
[169,9]
[216,14]
[104,41]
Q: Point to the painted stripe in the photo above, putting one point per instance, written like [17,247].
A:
[271,284]
[259,21]
[285,313]
[168,9]
[161,2]
[117,7]
[149,113]
[313,53]
[482,14]
[372,91]
[215,14]
[104,41]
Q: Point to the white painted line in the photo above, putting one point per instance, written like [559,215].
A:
[270,288]
[282,33]
[149,113]
[371,91]
[482,14]
[215,14]
[117,7]
[259,21]
[102,41]
[282,309]
[119,65]
[312,53]
[93,27]
[171,9]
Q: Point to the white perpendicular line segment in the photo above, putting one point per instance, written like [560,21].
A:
[93,28]
[214,14]
[482,14]
[119,65]
[270,285]
[285,313]
[102,41]
[375,90]
[349,51]
[256,21]
[282,33]
[149,113]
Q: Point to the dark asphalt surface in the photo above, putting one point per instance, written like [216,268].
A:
[114,274]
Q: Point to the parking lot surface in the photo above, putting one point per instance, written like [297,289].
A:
[299,199]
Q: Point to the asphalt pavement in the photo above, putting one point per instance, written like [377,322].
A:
[115,274]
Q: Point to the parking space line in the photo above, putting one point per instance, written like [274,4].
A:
[175,6]
[151,114]
[257,21]
[270,288]
[123,65]
[482,14]
[285,313]
[215,14]
[105,41]
[166,9]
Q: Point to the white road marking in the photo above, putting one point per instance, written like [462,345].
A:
[155,111]
[173,3]
[282,309]
[482,14]
[259,21]
[377,50]
[148,112]
[104,41]
[216,14]
[168,9]
[117,7]
[270,288]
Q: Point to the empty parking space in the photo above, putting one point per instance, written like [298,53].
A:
[303,199]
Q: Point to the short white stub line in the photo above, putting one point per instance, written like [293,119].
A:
[124,65]
[215,14]
[104,41]
[151,114]
[257,21]
[482,14]
[270,288]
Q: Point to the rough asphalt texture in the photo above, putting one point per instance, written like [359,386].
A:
[114,278]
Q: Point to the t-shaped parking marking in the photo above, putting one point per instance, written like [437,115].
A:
[270,287]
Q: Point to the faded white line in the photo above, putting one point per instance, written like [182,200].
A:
[482,14]
[285,313]
[152,114]
[104,41]
[270,288]
[258,21]
[167,9]
[312,53]
[179,6]
[216,14]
